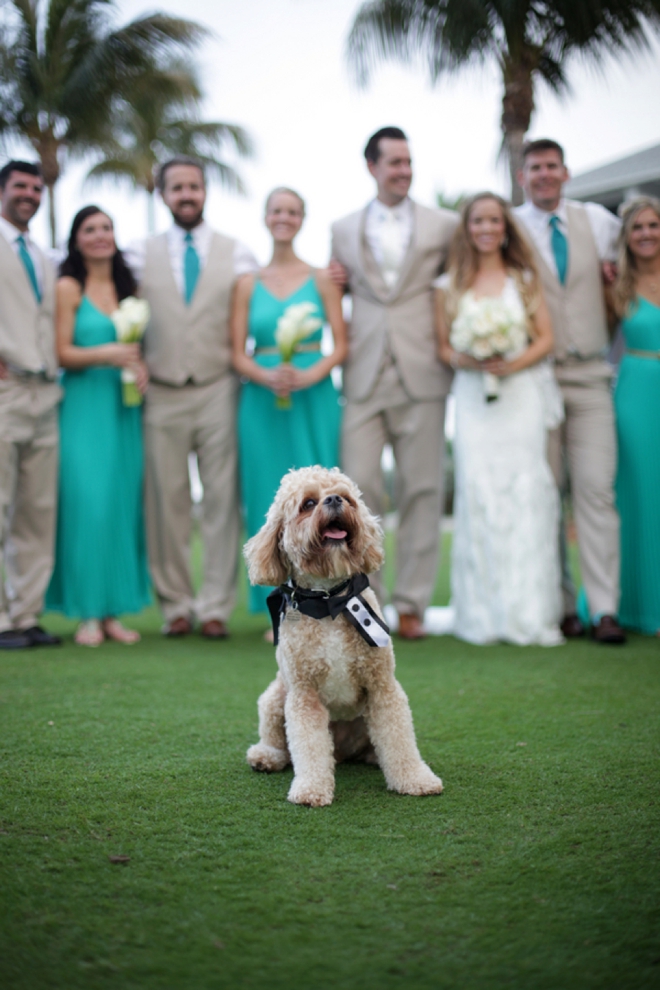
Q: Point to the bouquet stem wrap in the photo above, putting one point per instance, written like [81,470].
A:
[294,325]
[130,321]
[491,386]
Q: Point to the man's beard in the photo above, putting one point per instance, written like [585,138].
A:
[188,222]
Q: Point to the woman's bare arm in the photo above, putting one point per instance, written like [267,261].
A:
[68,296]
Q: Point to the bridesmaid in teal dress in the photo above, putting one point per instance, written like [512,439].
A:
[637,404]
[100,557]
[272,439]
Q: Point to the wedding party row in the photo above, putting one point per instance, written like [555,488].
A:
[120,365]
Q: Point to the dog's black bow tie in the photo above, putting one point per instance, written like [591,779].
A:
[344,599]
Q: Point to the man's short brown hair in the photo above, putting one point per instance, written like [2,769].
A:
[542,144]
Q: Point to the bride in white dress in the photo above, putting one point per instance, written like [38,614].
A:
[505,574]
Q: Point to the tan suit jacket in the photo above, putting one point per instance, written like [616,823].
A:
[191,406]
[399,320]
[191,342]
[396,389]
[28,440]
[586,443]
[27,328]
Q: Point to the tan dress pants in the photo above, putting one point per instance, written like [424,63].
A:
[415,431]
[199,418]
[584,449]
[29,460]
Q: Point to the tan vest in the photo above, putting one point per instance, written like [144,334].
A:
[399,320]
[577,309]
[191,342]
[27,328]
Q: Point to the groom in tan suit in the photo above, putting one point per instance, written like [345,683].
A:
[572,243]
[187,275]
[396,388]
[29,395]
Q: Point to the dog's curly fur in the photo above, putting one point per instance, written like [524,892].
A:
[335,697]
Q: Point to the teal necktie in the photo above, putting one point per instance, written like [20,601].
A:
[559,248]
[28,264]
[190,267]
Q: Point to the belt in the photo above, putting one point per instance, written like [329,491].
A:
[28,376]
[574,358]
[653,355]
[188,381]
[276,350]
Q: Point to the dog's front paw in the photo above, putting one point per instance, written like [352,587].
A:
[267,759]
[422,781]
[313,795]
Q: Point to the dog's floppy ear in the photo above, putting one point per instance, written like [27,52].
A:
[372,541]
[262,553]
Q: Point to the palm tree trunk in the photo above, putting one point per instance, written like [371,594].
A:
[151,213]
[517,109]
[51,214]
[513,142]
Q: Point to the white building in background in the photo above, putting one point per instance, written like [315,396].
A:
[621,180]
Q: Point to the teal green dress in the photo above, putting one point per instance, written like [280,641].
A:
[637,404]
[100,554]
[271,440]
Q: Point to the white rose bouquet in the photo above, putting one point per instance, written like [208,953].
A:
[486,328]
[294,325]
[130,321]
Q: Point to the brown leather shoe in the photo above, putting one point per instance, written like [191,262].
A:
[608,631]
[571,627]
[214,629]
[410,626]
[179,627]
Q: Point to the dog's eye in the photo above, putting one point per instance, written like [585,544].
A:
[308,504]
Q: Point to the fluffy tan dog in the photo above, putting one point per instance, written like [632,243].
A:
[319,534]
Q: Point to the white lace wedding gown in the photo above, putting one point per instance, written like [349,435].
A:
[505,575]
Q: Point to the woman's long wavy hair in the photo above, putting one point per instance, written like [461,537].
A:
[517,256]
[625,287]
[74,264]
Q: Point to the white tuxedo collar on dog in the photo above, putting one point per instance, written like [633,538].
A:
[345,599]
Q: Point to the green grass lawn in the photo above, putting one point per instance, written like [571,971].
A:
[538,868]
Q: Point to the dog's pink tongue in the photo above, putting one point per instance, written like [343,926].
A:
[335,534]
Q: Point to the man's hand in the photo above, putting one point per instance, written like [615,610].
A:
[337,274]
[4,371]
[609,272]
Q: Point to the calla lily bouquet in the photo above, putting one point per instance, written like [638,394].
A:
[130,321]
[486,328]
[294,325]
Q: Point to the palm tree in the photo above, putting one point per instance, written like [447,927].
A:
[62,66]
[159,122]
[530,40]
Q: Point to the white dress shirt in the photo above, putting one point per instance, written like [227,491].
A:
[388,230]
[244,261]
[11,235]
[604,226]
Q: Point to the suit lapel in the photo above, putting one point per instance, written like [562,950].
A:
[408,258]
[367,262]
[16,268]
[161,244]
[206,273]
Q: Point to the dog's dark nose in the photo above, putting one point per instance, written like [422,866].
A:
[333,501]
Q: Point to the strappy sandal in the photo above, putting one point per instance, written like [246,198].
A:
[114,630]
[89,633]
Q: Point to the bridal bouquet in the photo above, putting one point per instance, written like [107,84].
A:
[486,328]
[130,321]
[294,325]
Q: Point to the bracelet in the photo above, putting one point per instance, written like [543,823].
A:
[453,360]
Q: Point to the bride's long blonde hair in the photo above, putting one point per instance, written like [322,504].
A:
[517,257]
[625,288]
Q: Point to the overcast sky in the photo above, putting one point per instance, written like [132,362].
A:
[277,67]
